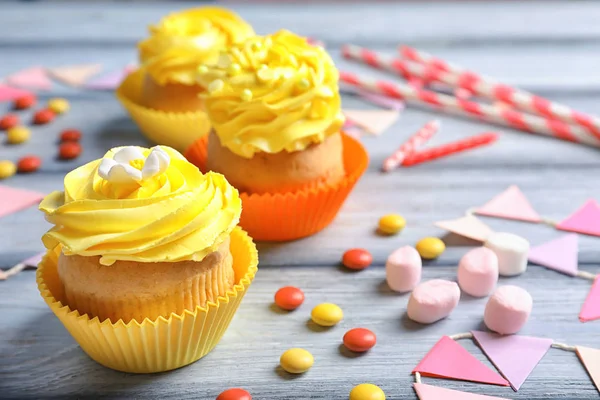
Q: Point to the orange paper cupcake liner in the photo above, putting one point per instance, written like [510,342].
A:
[177,130]
[152,345]
[297,214]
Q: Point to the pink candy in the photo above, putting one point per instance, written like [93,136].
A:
[432,301]
[478,272]
[508,309]
[403,269]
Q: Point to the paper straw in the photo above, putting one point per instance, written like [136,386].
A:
[489,113]
[456,76]
[410,146]
[445,150]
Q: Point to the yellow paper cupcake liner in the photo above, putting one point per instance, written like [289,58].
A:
[177,130]
[159,345]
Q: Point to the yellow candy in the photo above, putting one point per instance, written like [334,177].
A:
[430,247]
[7,169]
[58,105]
[366,391]
[391,224]
[327,314]
[296,361]
[18,134]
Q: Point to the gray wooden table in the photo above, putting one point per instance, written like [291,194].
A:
[551,47]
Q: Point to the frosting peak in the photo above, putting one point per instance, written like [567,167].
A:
[183,40]
[272,93]
[137,204]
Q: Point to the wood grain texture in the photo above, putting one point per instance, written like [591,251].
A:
[526,43]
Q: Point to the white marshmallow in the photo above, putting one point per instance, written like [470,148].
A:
[403,269]
[478,272]
[512,251]
[508,309]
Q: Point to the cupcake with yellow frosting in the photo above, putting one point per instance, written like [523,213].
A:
[145,246]
[163,95]
[275,110]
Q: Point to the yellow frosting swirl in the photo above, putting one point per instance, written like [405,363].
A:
[272,93]
[199,35]
[174,213]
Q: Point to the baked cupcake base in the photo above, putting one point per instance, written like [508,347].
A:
[159,345]
[296,214]
[175,129]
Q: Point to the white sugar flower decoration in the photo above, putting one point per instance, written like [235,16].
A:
[120,169]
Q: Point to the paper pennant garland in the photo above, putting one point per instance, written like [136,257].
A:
[558,254]
[9,93]
[31,262]
[34,260]
[591,306]
[585,220]
[428,392]
[448,359]
[108,81]
[382,101]
[469,226]
[514,356]
[31,78]
[510,204]
[12,200]
[374,121]
[75,75]
[590,358]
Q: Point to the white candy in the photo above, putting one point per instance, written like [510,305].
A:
[511,250]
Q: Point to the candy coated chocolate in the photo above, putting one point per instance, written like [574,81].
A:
[289,298]
[430,247]
[357,259]
[296,361]
[327,314]
[403,269]
[359,340]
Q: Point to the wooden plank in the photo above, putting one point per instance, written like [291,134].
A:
[39,358]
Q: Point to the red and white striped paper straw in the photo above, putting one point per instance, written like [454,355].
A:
[447,149]
[411,145]
[490,113]
[457,76]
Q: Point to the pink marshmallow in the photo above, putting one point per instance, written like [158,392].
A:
[508,309]
[403,269]
[432,301]
[478,272]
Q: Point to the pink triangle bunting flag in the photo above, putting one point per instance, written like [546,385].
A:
[13,200]
[469,226]
[510,204]
[373,121]
[558,254]
[428,392]
[448,359]
[586,220]
[590,358]
[75,75]
[514,356]
[30,78]
[9,93]
[591,306]
[109,81]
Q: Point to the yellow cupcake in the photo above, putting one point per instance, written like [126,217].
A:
[275,109]
[142,236]
[177,46]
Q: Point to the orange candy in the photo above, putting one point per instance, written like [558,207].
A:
[70,135]
[234,394]
[359,340]
[43,117]
[29,164]
[8,121]
[357,259]
[24,102]
[289,298]
[69,150]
